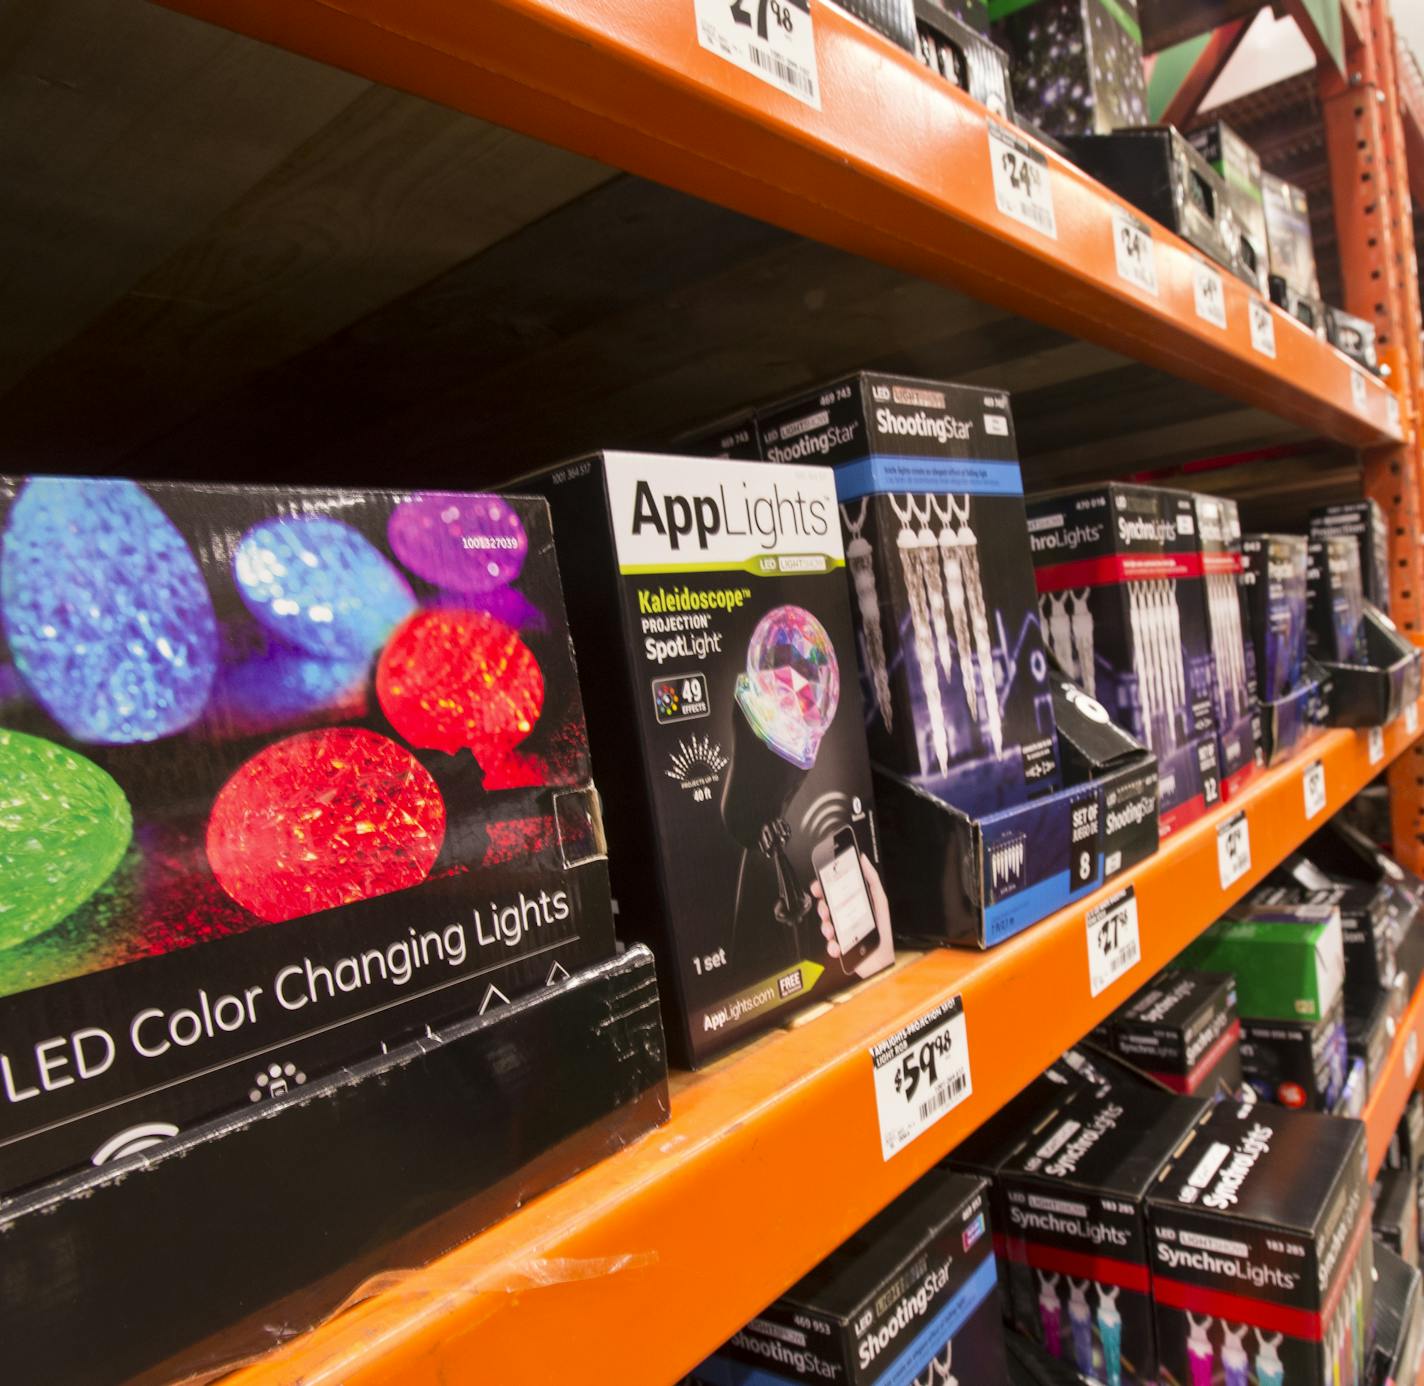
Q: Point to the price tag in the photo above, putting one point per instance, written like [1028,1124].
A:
[1136,257]
[1263,328]
[1391,404]
[1376,745]
[1411,1051]
[1411,718]
[1210,295]
[1314,789]
[1357,390]
[1022,188]
[1114,946]
[1233,849]
[771,39]
[921,1074]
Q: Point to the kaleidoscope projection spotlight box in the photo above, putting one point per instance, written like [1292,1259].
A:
[911,1297]
[1111,565]
[727,731]
[1076,64]
[1239,167]
[1297,1063]
[1291,251]
[1077,1238]
[1261,1252]
[958,51]
[289,775]
[1398,1320]
[1353,336]
[1182,1030]
[1363,521]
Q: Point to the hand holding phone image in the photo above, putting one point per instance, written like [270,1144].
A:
[851,903]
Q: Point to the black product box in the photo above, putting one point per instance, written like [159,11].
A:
[895,19]
[282,1210]
[936,543]
[1076,64]
[1380,681]
[1396,1213]
[1221,595]
[1290,247]
[1406,1145]
[1310,311]
[1335,598]
[1093,750]
[1169,22]
[1261,1252]
[1076,1238]
[733,436]
[958,50]
[1299,1064]
[1273,578]
[1290,722]
[727,731]
[1398,1321]
[974,13]
[1182,1030]
[289,775]
[1353,336]
[1364,521]
[912,1296]
[1239,167]
[1157,170]
[1112,568]
[1369,1031]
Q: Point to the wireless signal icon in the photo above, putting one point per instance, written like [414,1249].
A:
[825,815]
[132,1140]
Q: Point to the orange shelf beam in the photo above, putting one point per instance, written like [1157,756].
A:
[642,1265]
[895,166]
[1401,1076]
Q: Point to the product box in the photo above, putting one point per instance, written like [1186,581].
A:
[912,1296]
[1294,284]
[960,53]
[1239,167]
[1076,1238]
[1396,1213]
[1157,170]
[1297,1063]
[1363,521]
[250,1229]
[1183,1030]
[1406,1145]
[1398,1321]
[289,775]
[1379,681]
[1076,64]
[1291,722]
[727,731]
[733,436]
[895,19]
[1354,1093]
[1335,598]
[1261,1252]
[1273,581]
[1110,564]
[1369,1031]
[1353,336]
[974,13]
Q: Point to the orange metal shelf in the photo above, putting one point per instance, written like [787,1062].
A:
[895,167]
[640,1266]
[1401,1076]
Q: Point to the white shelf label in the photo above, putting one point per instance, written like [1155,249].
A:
[1136,256]
[1411,718]
[1114,945]
[1314,789]
[1357,390]
[1263,328]
[1376,745]
[1411,1052]
[921,1074]
[1210,295]
[1233,849]
[771,39]
[1022,188]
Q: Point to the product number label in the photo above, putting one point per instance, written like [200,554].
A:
[1357,390]
[1210,295]
[1376,741]
[1314,789]
[1263,328]
[1136,256]
[1022,189]
[1411,718]
[1233,849]
[1411,1052]
[1114,944]
[771,39]
[921,1074]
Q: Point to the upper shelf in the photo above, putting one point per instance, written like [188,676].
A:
[894,166]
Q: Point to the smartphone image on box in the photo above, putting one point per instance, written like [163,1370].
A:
[837,863]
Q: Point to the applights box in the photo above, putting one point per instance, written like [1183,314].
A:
[290,775]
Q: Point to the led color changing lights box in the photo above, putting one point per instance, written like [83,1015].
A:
[1261,1252]
[1182,1030]
[911,1297]
[1240,169]
[288,775]
[727,731]
[1363,521]
[1297,1063]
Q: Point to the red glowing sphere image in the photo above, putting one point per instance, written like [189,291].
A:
[322,819]
[454,679]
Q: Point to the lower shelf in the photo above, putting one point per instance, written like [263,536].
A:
[644,1264]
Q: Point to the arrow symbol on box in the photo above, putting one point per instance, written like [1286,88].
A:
[557,973]
[493,997]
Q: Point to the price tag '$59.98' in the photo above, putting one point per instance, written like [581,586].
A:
[921,1074]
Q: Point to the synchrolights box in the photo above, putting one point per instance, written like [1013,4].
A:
[710,597]
[286,775]
[911,1297]
[1261,1251]
[1182,1029]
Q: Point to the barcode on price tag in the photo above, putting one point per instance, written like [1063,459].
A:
[921,1074]
[1314,789]
[1411,718]
[1263,328]
[1021,180]
[1210,295]
[1376,745]
[771,39]
[1357,390]
[1114,945]
[1136,258]
[1233,849]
